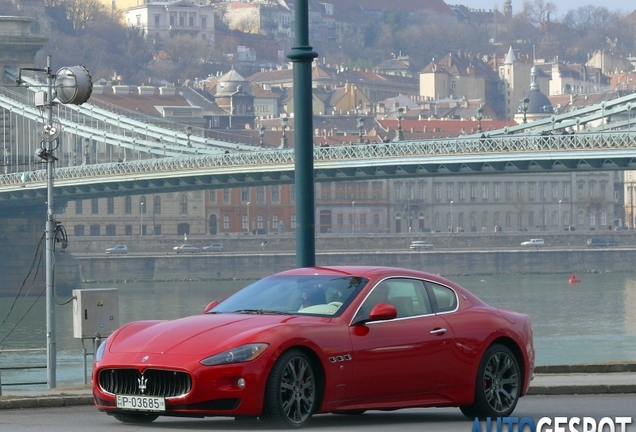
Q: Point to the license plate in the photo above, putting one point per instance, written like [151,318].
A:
[141,403]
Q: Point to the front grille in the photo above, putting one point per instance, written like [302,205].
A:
[157,382]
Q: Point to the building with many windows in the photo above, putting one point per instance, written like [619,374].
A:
[488,203]
[164,19]
[174,213]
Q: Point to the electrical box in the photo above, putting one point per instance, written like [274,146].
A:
[41,99]
[95,312]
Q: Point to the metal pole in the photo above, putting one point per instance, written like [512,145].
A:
[50,245]
[302,56]
[248,217]
[353,217]
[543,206]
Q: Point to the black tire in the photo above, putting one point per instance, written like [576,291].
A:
[291,395]
[498,385]
[136,418]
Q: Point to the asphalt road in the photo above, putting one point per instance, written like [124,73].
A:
[87,418]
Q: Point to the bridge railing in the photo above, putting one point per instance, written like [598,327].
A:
[338,154]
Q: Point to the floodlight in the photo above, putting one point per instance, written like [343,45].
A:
[73,85]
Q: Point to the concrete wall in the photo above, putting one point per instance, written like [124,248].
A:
[252,266]
[152,257]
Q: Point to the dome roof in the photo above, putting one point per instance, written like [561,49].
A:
[230,83]
[538,103]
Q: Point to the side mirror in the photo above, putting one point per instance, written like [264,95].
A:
[383,312]
[210,306]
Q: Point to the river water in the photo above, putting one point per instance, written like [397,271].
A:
[591,321]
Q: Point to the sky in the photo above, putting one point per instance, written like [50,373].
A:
[562,5]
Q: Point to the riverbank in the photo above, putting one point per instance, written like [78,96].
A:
[237,265]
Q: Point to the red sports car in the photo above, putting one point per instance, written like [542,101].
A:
[321,340]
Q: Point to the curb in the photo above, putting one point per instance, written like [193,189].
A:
[75,400]
[581,389]
[46,402]
[586,368]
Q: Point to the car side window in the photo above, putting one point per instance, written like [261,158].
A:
[407,295]
[443,298]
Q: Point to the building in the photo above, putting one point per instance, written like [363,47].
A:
[164,19]
[487,203]
[181,213]
[461,76]
[514,80]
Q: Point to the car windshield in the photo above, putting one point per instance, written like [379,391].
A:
[309,294]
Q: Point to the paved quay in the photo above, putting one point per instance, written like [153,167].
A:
[549,380]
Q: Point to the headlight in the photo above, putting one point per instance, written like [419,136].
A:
[243,353]
[100,351]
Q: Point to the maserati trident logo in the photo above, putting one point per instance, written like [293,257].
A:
[142,383]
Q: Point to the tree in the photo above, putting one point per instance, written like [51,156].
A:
[104,48]
[84,13]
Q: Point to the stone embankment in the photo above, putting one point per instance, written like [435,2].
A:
[252,257]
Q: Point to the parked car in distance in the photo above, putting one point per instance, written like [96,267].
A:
[533,242]
[601,242]
[186,248]
[119,249]
[213,247]
[420,245]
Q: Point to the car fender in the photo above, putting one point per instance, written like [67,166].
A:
[330,348]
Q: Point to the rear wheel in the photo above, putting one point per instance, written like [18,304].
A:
[498,384]
[136,418]
[291,392]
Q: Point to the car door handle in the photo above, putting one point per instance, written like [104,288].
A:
[439,331]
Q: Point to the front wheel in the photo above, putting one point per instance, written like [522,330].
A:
[291,392]
[498,384]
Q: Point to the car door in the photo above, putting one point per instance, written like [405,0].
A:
[402,358]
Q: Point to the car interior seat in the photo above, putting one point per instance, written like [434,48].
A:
[404,306]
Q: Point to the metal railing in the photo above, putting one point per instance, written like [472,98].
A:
[528,147]
[21,368]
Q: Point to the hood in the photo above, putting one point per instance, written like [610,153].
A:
[195,335]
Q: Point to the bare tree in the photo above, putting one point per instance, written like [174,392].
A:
[248,24]
[595,205]
[539,12]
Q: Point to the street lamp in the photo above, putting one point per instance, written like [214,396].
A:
[360,123]
[248,217]
[451,221]
[560,221]
[261,134]
[542,192]
[400,132]
[525,102]
[154,214]
[188,133]
[141,214]
[7,158]
[480,115]
[353,217]
[283,139]
[603,114]
[629,115]
[542,206]
[86,155]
